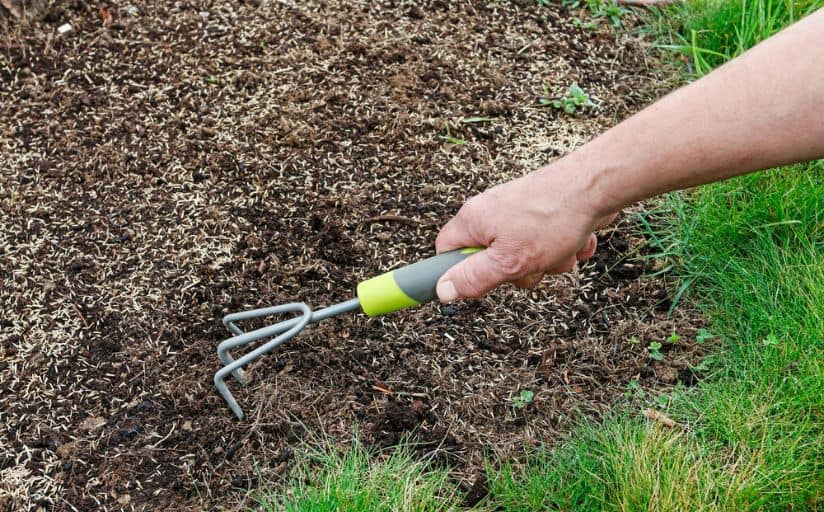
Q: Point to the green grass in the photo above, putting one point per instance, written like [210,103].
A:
[754,251]
[750,253]
[622,464]
[362,480]
[711,32]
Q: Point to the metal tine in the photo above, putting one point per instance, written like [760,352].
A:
[244,338]
[292,327]
[283,331]
[229,320]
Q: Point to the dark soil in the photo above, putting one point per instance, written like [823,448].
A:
[162,168]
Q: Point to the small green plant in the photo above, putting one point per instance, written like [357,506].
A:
[575,98]
[607,9]
[523,399]
[673,338]
[585,25]
[634,340]
[449,138]
[704,365]
[634,390]
[655,351]
[771,341]
[702,336]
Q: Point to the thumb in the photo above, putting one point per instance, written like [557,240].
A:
[471,278]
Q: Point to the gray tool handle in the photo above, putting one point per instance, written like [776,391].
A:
[408,286]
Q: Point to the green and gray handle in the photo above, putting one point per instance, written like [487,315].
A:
[408,286]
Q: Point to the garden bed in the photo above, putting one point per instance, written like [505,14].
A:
[163,166]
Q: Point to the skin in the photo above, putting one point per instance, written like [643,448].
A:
[760,110]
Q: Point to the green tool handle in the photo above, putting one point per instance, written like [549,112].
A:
[408,286]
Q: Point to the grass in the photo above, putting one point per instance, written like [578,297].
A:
[710,32]
[750,252]
[362,480]
[754,250]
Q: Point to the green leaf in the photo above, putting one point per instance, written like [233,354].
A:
[771,340]
[703,365]
[702,336]
[674,338]
[576,90]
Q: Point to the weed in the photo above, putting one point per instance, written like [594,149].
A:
[634,340]
[654,349]
[575,98]
[702,336]
[673,338]
[524,398]
[634,390]
[704,365]
[608,9]
[771,340]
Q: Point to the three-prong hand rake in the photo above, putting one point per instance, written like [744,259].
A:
[401,288]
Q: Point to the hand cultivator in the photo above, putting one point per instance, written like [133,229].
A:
[401,288]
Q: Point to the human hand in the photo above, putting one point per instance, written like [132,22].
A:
[535,225]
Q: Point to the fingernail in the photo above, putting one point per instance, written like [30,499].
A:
[446,291]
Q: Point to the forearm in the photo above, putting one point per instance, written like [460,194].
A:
[764,109]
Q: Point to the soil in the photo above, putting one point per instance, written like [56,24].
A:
[164,164]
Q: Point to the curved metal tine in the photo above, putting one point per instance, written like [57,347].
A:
[230,319]
[242,338]
[220,376]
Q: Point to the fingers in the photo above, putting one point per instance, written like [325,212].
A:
[586,252]
[566,266]
[529,280]
[607,220]
[472,278]
[455,235]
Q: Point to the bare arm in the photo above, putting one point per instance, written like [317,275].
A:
[763,109]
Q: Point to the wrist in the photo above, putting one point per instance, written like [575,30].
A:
[596,183]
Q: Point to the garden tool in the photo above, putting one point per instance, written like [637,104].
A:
[398,289]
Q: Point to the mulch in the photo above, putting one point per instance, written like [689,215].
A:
[164,164]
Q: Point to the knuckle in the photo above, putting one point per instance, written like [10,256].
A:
[473,207]
[512,263]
